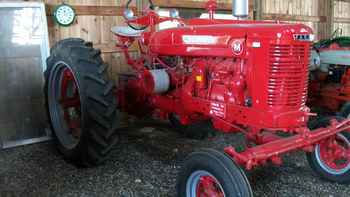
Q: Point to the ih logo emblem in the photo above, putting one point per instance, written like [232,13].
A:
[237,47]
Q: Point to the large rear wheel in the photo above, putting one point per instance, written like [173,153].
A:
[81,104]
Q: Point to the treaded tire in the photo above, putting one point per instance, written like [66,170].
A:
[198,131]
[98,104]
[315,164]
[230,176]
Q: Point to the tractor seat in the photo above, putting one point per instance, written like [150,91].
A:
[126,31]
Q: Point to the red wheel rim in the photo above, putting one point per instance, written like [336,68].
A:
[70,103]
[334,154]
[208,186]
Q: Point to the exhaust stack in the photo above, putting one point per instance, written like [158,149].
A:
[240,8]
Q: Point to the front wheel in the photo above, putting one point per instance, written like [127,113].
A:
[211,173]
[331,158]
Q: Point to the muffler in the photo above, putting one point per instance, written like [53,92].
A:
[240,8]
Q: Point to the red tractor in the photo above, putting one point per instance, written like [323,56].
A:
[330,76]
[241,76]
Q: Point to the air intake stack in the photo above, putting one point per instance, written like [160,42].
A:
[240,8]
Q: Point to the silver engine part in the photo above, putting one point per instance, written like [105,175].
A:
[240,8]
[315,61]
[161,80]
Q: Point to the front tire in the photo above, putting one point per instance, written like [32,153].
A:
[211,173]
[331,158]
[80,102]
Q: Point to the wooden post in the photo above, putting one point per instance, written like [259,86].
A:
[330,17]
[258,10]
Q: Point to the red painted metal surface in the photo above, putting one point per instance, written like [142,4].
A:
[217,40]
[335,153]
[70,102]
[327,94]
[208,186]
[244,76]
[271,151]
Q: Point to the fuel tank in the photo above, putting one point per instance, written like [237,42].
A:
[201,38]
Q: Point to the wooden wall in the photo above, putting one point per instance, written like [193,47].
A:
[94,21]
[304,11]
[324,16]
[342,16]
[96,17]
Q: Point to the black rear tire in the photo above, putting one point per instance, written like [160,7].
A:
[230,178]
[198,131]
[97,106]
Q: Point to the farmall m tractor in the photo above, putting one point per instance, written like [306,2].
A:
[242,76]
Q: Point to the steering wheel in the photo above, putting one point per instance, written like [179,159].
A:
[151,6]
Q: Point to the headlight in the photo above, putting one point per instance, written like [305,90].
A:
[128,14]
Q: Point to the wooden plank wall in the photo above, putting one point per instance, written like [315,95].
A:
[96,27]
[93,23]
[200,5]
[322,15]
[309,12]
[342,16]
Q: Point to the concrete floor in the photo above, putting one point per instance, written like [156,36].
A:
[146,163]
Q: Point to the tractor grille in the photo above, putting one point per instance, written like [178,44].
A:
[288,75]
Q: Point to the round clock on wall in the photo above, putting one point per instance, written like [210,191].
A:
[64,14]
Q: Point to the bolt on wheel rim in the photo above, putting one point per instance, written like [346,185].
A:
[65,105]
[203,184]
[333,155]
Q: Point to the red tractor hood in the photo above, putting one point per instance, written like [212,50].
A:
[218,39]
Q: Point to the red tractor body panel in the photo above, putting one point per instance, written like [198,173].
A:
[217,40]
[265,58]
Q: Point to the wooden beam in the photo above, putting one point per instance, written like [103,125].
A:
[190,4]
[258,10]
[341,20]
[93,10]
[330,22]
[286,17]
[112,48]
